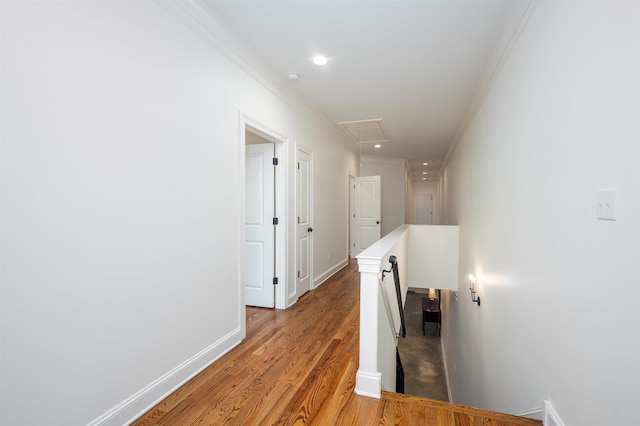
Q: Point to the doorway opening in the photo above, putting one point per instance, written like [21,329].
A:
[260,228]
[263,274]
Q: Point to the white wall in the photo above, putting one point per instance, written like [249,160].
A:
[392,188]
[433,257]
[331,200]
[122,205]
[408,195]
[559,318]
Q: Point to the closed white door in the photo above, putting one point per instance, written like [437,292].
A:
[259,228]
[304,228]
[366,212]
[423,209]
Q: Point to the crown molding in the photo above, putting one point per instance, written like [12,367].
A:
[515,21]
[202,19]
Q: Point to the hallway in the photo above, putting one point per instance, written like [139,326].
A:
[298,367]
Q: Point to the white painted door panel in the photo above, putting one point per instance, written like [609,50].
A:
[367,211]
[304,227]
[259,232]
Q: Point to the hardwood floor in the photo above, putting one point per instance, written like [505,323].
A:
[298,367]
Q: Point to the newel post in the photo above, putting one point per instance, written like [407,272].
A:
[368,377]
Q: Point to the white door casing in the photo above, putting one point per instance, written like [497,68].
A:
[259,228]
[304,227]
[367,212]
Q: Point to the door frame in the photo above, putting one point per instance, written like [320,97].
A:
[282,250]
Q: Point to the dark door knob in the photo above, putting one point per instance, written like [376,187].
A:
[377,222]
[309,229]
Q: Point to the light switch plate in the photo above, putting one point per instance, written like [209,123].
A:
[605,204]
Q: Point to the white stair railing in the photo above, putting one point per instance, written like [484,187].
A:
[427,256]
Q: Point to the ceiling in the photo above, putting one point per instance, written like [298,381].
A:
[414,64]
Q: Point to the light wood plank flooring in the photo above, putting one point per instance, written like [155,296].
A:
[298,367]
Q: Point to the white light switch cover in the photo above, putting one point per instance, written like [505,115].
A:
[605,204]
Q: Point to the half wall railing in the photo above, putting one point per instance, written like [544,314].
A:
[427,257]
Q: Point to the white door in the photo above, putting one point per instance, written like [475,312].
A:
[352,216]
[366,212]
[304,229]
[259,228]
[423,209]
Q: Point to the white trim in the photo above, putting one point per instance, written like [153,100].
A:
[515,22]
[282,211]
[534,413]
[446,370]
[145,399]
[329,272]
[241,232]
[247,122]
[202,20]
[291,300]
[368,378]
[369,384]
[551,417]
[369,259]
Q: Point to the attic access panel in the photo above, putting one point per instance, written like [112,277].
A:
[365,131]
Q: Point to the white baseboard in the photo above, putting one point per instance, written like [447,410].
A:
[369,384]
[534,413]
[551,417]
[142,401]
[446,370]
[329,272]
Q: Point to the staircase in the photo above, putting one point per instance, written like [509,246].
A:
[298,367]
[404,409]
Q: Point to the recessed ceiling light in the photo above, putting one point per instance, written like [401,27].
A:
[320,60]
[425,164]
[293,75]
[424,178]
[424,173]
[377,145]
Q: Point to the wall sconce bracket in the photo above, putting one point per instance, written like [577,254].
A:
[472,287]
